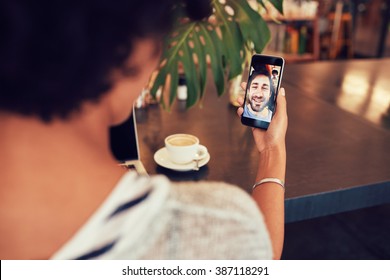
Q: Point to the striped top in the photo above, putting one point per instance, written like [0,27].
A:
[152,218]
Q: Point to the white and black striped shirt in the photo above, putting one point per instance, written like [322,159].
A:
[152,218]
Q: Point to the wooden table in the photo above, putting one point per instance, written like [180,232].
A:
[338,146]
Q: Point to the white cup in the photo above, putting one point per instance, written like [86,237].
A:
[184,148]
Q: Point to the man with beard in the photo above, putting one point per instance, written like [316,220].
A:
[260,91]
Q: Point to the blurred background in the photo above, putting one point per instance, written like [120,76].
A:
[336,30]
[331,29]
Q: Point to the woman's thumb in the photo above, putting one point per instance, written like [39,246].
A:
[281,107]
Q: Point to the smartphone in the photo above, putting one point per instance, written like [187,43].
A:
[265,75]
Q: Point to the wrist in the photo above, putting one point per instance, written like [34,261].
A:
[273,151]
[271,147]
[272,163]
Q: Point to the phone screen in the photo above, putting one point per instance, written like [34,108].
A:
[264,80]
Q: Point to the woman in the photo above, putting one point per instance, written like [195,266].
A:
[70,71]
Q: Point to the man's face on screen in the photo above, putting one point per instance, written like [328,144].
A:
[259,93]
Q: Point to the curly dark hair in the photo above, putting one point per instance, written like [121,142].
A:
[57,54]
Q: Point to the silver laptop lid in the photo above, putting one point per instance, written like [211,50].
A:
[124,144]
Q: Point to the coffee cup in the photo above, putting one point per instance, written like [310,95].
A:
[184,148]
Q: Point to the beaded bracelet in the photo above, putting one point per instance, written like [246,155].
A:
[269,180]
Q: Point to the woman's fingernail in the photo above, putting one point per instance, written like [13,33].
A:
[282,92]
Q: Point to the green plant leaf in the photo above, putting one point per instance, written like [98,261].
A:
[222,42]
[169,64]
[262,4]
[190,73]
[278,4]
[213,51]
[159,83]
[232,37]
[200,53]
[234,48]
[174,79]
[252,25]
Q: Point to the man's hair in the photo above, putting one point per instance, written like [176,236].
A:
[275,72]
[57,54]
[264,72]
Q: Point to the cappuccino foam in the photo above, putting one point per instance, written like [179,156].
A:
[182,141]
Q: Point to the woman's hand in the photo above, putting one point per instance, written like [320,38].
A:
[275,136]
[272,164]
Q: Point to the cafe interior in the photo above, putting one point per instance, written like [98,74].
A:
[336,77]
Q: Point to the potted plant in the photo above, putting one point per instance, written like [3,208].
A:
[223,42]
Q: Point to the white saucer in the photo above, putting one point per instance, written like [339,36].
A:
[161,158]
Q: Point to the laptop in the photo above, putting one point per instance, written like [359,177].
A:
[124,145]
